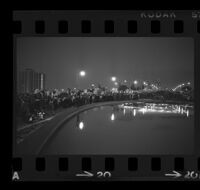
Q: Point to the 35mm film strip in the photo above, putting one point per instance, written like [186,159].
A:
[106,95]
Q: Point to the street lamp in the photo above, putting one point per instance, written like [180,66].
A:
[135,82]
[113,79]
[82,73]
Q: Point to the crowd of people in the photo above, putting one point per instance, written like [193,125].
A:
[41,104]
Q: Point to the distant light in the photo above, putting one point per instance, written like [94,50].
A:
[135,82]
[81,125]
[92,84]
[125,81]
[116,83]
[144,83]
[183,84]
[82,73]
[188,83]
[112,117]
[113,79]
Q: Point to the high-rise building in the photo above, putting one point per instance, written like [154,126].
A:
[41,81]
[36,80]
[29,81]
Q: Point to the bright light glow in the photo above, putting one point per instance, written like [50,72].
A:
[144,83]
[153,108]
[112,117]
[81,125]
[125,81]
[113,79]
[82,73]
[135,82]
[124,111]
[181,110]
[188,83]
[116,83]
[143,110]
[187,113]
[92,85]
[134,112]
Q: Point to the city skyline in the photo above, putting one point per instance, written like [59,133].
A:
[167,60]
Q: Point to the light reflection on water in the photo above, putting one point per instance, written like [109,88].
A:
[137,128]
[141,108]
[79,123]
[112,117]
[157,108]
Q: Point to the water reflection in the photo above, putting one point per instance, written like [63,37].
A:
[152,128]
[79,123]
[181,110]
[155,108]
[187,113]
[124,111]
[134,112]
[112,117]
[132,109]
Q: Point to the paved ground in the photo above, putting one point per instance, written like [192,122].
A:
[30,138]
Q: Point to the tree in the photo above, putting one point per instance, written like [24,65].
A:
[142,86]
[133,87]
[186,88]
[122,87]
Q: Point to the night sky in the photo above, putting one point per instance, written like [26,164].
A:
[169,60]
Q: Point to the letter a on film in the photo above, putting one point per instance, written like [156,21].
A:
[15,176]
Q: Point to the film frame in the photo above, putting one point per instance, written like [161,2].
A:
[110,24]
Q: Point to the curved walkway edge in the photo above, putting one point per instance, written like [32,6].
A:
[39,139]
[87,107]
[80,109]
